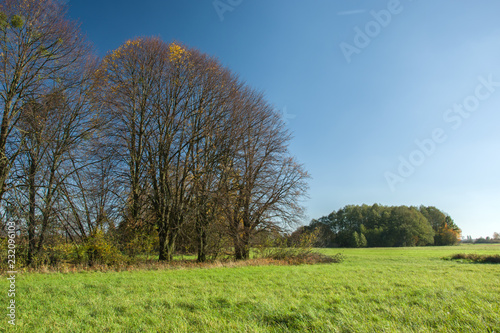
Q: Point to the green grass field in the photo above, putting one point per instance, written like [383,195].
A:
[373,290]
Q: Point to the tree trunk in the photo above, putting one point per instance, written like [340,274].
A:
[241,249]
[4,162]
[163,248]
[167,246]
[202,245]
[32,209]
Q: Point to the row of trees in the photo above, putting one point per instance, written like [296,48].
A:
[482,240]
[383,226]
[156,141]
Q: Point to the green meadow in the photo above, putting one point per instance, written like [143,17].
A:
[372,290]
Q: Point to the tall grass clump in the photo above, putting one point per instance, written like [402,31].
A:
[295,253]
[478,258]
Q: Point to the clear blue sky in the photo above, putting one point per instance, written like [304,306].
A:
[356,102]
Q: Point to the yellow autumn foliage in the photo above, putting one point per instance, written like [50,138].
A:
[176,52]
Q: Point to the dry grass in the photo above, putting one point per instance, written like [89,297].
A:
[309,258]
[298,256]
[485,258]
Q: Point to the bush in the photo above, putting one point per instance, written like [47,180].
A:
[302,256]
[141,245]
[299,253]
[490,259]
[60,253]
[21,251]
[98,250]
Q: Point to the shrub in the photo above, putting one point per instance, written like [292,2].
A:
[141,245]
[60,253]
[299,253]
[98,250]
[491,259]
[21,251]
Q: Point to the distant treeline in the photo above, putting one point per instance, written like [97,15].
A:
[481,240]
[383,226]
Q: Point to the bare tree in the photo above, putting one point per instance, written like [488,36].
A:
[146,95]
[171,144]
[130,78]
[215,89]
[54,130]
[264,185]
[91,194]
[196,142]
[38,46]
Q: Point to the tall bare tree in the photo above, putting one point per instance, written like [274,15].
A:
[172,144]
[38,47]
[264,184]
[130,79]
[54,130]
[92,193]
[196,142]
[214,90]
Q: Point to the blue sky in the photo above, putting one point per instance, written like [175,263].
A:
[411,117]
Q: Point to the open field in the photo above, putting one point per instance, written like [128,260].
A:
[373,290]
